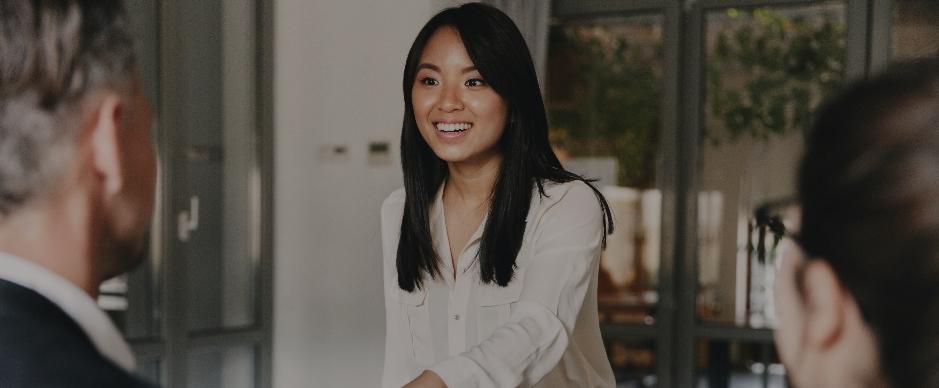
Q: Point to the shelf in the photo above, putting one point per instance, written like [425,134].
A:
[733,333]
[628,330]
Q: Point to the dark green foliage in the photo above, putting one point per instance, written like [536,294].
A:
[767,71]
[614,106]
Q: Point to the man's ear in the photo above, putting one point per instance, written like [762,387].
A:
[105,143]
[825,304]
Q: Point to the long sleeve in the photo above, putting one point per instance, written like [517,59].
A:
[556,282]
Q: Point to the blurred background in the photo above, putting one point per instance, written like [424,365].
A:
[278,123]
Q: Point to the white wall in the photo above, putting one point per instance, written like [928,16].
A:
[338,71]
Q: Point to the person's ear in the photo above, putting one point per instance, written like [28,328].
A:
[824,303]
[105,143]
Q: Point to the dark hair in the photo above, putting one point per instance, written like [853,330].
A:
[869,189]
[52,52]
[499,52]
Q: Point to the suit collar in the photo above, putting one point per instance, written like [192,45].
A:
[74,302]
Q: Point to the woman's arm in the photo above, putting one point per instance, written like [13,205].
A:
[556,282]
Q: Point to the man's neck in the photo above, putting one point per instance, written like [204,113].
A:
[55,236]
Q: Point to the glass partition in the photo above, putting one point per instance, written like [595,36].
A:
[218,110]
[604,98]
[765,71]
[738,364]
[915,29]
[225,368]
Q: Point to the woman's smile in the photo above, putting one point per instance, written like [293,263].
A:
[450,131]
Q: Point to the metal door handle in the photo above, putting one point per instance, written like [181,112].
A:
[188,220]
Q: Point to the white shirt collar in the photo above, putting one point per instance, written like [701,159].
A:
[75,302]
[442,241]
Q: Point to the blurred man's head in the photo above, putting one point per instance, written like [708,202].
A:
[74,128]
[858,293]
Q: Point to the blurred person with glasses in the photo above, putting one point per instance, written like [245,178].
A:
[857,293]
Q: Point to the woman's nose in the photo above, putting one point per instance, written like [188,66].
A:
[450,100]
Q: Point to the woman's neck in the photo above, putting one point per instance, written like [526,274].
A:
[473,181]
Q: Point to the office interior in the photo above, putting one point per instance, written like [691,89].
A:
[278,125]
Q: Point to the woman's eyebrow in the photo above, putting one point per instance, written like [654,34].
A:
[436,68]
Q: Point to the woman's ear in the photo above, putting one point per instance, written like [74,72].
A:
[105,143]
[825,305]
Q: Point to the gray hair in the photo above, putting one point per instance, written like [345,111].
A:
[53,53]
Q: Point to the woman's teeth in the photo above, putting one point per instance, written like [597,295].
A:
[453,127]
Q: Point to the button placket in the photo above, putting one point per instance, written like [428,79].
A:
[459,297]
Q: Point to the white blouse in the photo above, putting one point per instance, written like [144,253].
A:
[541,330]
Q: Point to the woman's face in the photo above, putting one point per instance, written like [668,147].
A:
[459,116]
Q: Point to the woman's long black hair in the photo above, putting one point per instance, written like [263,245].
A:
[499,52]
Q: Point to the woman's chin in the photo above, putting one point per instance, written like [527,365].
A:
[452,155]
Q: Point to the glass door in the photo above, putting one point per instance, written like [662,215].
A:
[197,311]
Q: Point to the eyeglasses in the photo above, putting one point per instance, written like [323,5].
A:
[769,218]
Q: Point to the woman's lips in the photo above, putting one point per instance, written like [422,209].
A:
[452,130]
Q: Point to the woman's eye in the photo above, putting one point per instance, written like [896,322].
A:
[427,81]
[475,82]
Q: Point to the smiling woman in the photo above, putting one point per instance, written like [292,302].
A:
[451,100]
[491,249]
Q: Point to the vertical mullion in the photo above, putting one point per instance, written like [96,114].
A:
[879,34]
[857,39]
[667,174]
[265,106]
[164,142]
[683,368]
[765,356]
[174,308]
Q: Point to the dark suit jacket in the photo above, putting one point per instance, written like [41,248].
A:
[42,347]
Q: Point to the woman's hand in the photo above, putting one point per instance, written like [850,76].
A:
[427,379]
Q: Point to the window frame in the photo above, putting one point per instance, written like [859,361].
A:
[174,342]
[677,329]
